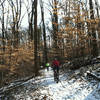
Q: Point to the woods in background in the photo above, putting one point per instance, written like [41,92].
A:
[73,32]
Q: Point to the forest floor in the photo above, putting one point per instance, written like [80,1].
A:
[73,85]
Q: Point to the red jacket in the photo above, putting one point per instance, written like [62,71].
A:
[56,63]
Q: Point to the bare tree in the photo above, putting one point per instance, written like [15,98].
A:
[44,32]
[3,25]
[35,39]
[16,14]
[30,12]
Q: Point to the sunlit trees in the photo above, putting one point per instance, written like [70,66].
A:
[77,26]
[73,30]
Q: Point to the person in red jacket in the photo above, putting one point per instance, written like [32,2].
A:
[56,65]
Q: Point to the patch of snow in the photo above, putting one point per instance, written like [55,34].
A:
[67,90]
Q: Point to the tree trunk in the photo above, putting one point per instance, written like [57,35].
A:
[93,32]
[35,39]
[55,28]
[44,34]
[31,25]
[3,29]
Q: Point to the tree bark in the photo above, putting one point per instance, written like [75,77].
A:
[3,28]
[93,32]
[35,39]
[44,33]
[55,27]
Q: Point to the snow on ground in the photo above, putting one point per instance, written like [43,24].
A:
[76,88]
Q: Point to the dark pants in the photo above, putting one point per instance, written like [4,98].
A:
[56,72]
[56,68]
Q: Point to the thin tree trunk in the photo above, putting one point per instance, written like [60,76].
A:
[44,34]
[3,28]
[31,25]
[93,34]
[55,28]
[35,39]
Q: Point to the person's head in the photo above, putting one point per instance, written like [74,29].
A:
[55,58]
